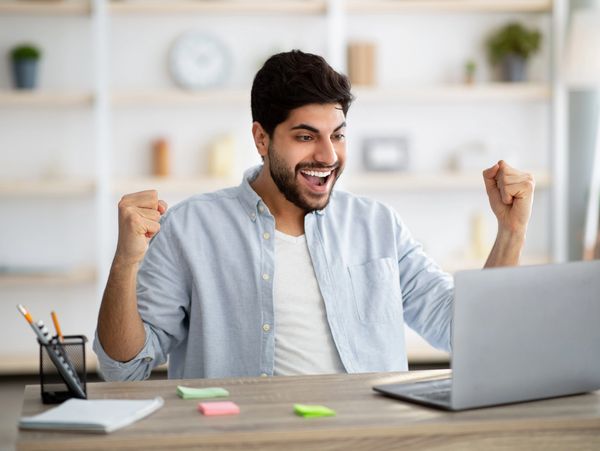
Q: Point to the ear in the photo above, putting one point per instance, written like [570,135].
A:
[261,139]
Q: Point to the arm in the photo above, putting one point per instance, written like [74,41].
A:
[427,291]
[510,193]
[120,327]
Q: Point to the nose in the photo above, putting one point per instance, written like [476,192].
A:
[326,153]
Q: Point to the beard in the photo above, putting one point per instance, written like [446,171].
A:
[285,179]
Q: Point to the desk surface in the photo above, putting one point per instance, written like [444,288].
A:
[364,419]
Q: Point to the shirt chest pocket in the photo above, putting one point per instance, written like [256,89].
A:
[376,290]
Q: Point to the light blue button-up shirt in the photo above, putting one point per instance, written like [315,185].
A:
[205,291]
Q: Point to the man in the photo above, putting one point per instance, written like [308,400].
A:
[283,274]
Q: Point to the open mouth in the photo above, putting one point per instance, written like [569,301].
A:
[317,178]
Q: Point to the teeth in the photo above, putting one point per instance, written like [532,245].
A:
[317,174]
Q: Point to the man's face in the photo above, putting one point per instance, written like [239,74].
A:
[306,154]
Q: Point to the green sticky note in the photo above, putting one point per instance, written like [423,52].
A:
[201,393]
[307,411]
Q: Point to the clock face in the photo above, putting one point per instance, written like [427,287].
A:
[198,60]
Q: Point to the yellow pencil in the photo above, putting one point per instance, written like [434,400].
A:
[56,326]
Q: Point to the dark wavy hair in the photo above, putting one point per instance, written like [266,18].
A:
[293,79]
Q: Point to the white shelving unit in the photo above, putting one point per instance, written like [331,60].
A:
[417,182]
[48,278]
[489,92]
[37,99]
[41,8]
[356,182]
[457,6]
[238,97]
[46,188]
[228,7]
[460,93]
[105,102]
[184,186]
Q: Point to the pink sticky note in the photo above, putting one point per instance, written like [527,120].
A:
[218,408]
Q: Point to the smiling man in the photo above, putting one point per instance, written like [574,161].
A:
[283,274]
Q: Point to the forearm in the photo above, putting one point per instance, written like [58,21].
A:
[507,249]
[120,327]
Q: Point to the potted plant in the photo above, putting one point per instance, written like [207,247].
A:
[470,70]
[510,47]
[24,58]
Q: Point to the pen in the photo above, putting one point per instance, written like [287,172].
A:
[43,339]
[56,326]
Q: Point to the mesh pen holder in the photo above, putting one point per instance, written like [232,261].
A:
[59,384]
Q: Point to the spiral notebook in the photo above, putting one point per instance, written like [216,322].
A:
[92,415]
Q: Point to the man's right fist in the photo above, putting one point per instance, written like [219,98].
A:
[139,216]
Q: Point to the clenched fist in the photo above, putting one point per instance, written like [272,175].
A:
[139,216]
[511,195]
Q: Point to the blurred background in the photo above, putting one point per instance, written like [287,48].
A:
[100,98]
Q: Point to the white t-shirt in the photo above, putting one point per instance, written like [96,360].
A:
[303,341]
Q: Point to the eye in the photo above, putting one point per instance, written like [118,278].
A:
[304,138]
[339,136]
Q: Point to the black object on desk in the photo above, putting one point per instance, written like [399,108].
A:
[62,369]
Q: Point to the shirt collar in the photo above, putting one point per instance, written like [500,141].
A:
[248,197]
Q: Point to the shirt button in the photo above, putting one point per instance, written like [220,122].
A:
[147,359]
[265,276]
[263,374]
[266,235]
[253,216]
[261,209]
[266,327]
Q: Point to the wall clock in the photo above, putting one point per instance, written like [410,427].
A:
[198,60]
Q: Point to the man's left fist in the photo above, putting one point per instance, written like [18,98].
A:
[510,192]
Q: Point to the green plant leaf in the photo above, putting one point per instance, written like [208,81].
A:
[515,39]
[25,51]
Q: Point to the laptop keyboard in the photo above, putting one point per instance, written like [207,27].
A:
[436,391]
[440,395]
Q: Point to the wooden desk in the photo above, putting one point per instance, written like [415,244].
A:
[365,420]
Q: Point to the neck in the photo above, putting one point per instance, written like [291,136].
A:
[289,218]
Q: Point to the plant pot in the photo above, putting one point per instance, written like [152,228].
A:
[514,68]
[25,73]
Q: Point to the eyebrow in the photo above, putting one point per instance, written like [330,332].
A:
[313,129]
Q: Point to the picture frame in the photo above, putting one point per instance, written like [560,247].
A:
[386,153]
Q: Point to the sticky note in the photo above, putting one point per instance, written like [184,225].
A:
[201,393]
[308,411]
[218,408]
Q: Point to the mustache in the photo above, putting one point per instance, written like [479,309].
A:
[310,166]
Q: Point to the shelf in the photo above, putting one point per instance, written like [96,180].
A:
[410,6]
[46,188]
[357,182]
[182,98]
[57,7]
[44,99]
[172,185]
[496,92]
[484,92]
[415,182]
[40,277]
[30,363]
[83,7]
[219,7]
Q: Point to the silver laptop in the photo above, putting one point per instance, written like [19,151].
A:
[519,334]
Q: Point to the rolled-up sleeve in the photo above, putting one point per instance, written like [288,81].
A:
[428,292]
[138,368]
